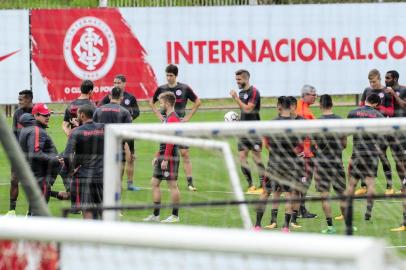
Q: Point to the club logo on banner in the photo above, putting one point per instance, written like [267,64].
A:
[89,48]
[94,44]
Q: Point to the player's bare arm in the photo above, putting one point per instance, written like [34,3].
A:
[155,110]
[399,100]
[245,107]
[196,106]
[66,127]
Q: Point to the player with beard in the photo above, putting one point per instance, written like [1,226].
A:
[249,101]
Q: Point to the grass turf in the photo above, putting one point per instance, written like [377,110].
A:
[213,184]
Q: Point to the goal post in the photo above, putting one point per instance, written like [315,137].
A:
[99,245]
[113,141]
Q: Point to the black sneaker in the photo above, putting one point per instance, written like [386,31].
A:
[367,216]
[307,214]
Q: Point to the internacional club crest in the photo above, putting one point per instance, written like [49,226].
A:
[89,48]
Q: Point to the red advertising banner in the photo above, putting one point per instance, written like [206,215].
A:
[96,44]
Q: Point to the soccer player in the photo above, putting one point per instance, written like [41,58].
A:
[24,106]
[130,103]
[183,93]
[84,159]
[398,146]
[329,162]
[365,152]
[249,101]
[308,98]
[282,171]
[70,117]
[397,143]
[70,122]
[111,113]
[166,164]
[39,149]
[387,108]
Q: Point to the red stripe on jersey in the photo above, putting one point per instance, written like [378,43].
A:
[169,147]
[254,95]
[36,140]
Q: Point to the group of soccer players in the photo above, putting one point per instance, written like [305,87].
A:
[81,163]
[292,164]
[294,161]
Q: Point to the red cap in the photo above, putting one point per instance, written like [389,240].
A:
[40,108]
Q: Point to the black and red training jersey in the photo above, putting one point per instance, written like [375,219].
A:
[182,92]
[251,95]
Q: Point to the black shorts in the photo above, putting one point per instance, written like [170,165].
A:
[87,191]
[330,172]
[364,165]
[171,173]
[283,176]
[397,144]
[252,143]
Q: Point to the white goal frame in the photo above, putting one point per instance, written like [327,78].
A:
[112,163]
[92,244]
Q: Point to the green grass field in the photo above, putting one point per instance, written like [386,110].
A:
[213,184]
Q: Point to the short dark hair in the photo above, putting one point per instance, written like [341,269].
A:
[394,74]
[87,110]
[374,99]
[27,93]
[326,102]
[116,93]
[172,69]
[293,100]
[168,97]
[86,87]
[121,77]
[243,72]
[285,103]
[279,102]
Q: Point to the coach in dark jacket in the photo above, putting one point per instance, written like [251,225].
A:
[38,147]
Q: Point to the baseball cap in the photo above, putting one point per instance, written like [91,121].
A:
[41,108]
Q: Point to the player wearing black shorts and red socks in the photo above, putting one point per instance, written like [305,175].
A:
[365,152]
[387,108]
[166,165]
[249,101]
[183,93]
[329,164]
[129,102]
[84,159]
[24,106]
[283,172]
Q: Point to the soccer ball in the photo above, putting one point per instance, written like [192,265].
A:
[231,116]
